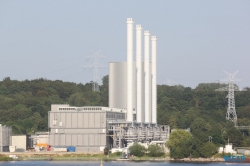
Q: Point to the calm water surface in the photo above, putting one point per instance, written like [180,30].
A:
[113,163]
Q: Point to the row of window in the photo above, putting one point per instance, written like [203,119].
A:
[111,115]
[73,109]
[67,109]
[92,108]
[84,108]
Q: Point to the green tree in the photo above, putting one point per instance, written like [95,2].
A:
[246,142]
[194,146]
[137,150]
[208,149]
[179,144]
[234,136]
[200,129]
[155,151]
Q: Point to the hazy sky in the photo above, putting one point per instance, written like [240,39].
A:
[197,39]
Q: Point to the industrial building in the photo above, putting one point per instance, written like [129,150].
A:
[131,115]
[85,128]
[5,135]
[20,143]
[132,84]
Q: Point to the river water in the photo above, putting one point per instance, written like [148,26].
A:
[113,163]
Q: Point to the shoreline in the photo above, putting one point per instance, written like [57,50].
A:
[79,156]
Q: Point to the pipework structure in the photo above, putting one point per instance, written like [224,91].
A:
[124,134]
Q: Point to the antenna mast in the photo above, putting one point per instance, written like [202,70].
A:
[231,112]
[95,66]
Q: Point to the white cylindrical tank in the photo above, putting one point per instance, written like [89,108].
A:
[118,85]
[147,76]
[154,86]
[130,24]
[138,73]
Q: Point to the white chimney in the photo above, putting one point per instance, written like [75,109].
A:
[147,76]
[139,73]
[154,85]
[130,24]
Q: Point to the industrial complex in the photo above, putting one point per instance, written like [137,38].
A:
[131,115]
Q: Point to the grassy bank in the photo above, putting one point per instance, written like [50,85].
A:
[5,158]
[61,156]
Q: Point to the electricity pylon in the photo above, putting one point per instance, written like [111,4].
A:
[95,66]
[231,112]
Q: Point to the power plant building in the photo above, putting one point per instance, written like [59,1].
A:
[131,115]
[133,83]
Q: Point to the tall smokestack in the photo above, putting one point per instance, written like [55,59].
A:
[130,24]
[147,76]
[139,73]
[154,86]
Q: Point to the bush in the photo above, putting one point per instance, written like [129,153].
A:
[155,151]
[179,144]
[116,154]
[208,149]
[106,151]
[137,150]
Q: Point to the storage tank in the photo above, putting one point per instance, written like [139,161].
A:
[118,85]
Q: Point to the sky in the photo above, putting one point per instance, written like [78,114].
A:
[197,39]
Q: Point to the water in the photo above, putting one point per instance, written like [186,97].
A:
[113,163]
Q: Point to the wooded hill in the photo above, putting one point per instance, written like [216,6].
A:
[24,105]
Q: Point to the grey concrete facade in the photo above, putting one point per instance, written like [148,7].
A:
[5,142]
[91,129]
[81,127]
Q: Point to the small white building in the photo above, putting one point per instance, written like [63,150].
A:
[40,138]
[220,150]
[247,152]
[21,142]
[229,149]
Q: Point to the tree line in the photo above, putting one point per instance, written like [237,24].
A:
[24,105]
